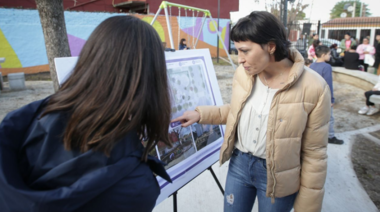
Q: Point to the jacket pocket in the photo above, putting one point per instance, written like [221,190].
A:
[264,163]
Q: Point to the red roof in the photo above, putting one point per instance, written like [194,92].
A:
[353,22]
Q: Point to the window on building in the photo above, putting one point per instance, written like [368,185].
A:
[364,33]
[377,32]
[339,34]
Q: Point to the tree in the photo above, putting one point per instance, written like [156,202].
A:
[54,29]
[339,8]
[295,11]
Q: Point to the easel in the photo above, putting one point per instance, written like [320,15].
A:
[164,5]
[213,175]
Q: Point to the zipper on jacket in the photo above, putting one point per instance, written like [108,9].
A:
[278,93]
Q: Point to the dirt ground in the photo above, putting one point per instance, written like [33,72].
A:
[366,161]
[348,100]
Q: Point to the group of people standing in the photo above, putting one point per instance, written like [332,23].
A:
[352,56]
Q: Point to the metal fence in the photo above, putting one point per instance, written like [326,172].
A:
[301,33]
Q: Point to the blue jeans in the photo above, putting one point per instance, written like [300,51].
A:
[331,125]
[246,179]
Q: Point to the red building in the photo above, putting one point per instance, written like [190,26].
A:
[126,6]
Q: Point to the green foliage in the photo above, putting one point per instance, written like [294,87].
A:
[339,9]
[295,10]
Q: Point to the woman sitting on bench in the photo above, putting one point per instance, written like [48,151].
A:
[370,107]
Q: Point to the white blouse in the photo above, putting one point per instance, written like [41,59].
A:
[252,126]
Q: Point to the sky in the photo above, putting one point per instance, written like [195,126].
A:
[317,10]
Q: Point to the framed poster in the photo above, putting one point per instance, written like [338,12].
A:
[193,83]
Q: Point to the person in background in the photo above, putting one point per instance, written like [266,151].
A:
[335,59]
[182,44]
[322,68]
[370,107]
[165,48]
[347,43]
[314,37]
[308,62]
[300,44]
[81,149]
[275,138]
[325,70]
[311,51]
[351,59]
[363,49]
[377,56]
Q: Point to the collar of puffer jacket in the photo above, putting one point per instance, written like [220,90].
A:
[298,65]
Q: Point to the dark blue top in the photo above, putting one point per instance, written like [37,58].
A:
[182,46]
[325,71]
[38,174]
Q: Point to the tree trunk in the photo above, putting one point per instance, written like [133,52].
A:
[54,29]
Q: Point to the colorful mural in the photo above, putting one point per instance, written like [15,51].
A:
[22,40]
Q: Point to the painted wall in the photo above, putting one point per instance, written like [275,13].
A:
[22,41]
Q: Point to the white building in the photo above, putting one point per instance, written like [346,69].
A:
[358,27]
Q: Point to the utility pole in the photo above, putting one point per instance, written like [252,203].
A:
[285,20]
[217,37]
[361,10]
[353,12]
[284,14]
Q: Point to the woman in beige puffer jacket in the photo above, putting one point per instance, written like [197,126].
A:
[284,129]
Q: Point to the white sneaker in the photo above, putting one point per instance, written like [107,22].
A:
[372,110]
[363,110]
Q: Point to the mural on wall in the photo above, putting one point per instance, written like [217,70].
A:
[22,40]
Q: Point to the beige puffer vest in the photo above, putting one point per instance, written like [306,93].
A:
[297,132]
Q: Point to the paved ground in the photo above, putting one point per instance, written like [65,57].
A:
[344,192]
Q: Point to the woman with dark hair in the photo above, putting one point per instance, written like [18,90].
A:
[276,124]
[335,60]
[81,148]
[311,52]
[182,44]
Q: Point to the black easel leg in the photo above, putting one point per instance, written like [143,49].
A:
[216,180]
[175,201]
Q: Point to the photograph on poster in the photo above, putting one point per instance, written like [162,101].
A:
[183,146]
[205,134]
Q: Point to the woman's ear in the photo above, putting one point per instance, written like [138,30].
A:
[271,47]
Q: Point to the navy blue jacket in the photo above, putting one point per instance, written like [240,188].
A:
[38,174]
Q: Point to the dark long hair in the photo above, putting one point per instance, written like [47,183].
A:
[118,85]
[262,27]
[316,43]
